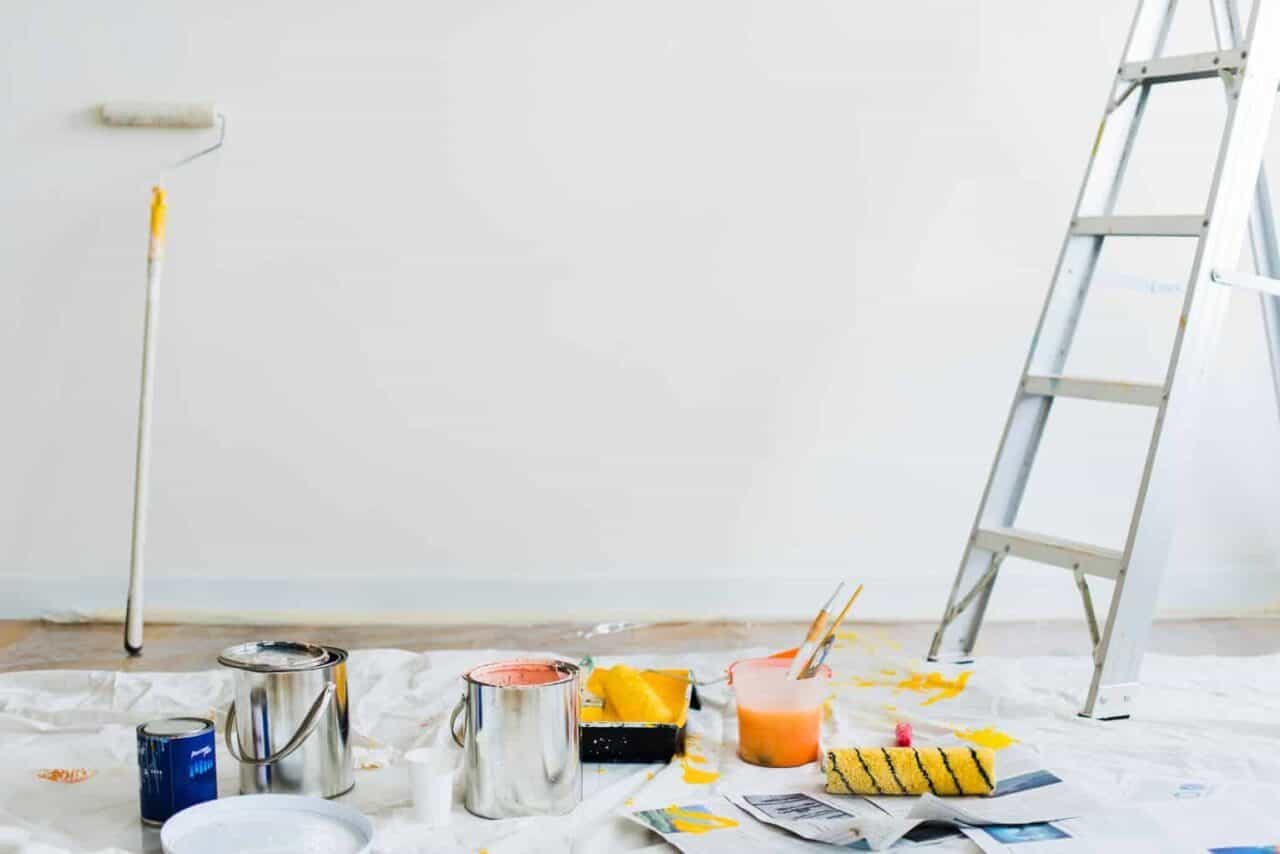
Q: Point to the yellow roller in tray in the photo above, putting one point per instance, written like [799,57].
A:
[911,771]
[635,697]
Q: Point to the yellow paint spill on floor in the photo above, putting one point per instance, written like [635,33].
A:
[924,683]
[648,775]
[988,737]
[629,802]
[693,775]
[947,688]
[693,821]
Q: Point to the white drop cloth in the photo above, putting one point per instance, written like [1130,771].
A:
[1208,732]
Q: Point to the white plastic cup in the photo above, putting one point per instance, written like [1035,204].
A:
[779,719]
[431,773]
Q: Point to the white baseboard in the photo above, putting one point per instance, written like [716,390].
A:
[1029,594]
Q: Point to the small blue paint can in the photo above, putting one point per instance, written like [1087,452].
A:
[176,766]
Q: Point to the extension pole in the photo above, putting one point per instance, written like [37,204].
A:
[142,462]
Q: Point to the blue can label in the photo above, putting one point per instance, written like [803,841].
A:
[175,771]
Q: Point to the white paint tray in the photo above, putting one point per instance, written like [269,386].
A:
[268,824]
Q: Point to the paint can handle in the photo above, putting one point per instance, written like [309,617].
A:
[453,721]
[308,726]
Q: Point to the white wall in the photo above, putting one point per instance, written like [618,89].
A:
[580,308]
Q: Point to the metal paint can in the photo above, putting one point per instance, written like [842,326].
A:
[177,766]
[288,726]
[521,738]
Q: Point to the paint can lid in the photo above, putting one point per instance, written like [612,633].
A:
[175,726]
[273,656]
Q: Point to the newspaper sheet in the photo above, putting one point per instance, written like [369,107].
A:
[852,823]
[715,826]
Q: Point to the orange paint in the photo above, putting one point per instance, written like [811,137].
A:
[778,739]
[65,775]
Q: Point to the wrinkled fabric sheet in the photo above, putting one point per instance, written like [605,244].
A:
[1203,750]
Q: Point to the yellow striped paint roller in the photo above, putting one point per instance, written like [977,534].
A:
[911,771]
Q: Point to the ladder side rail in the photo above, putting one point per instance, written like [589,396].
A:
[1262,228]
[1052,340]
[1112,691]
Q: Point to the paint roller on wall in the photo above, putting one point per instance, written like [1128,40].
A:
[152,114]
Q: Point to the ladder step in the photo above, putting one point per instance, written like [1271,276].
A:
[1140,226]
[1042,548]
[1112,391]
[1191,66]
[1239,279]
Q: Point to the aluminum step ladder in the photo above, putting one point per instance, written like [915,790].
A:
[1248,63]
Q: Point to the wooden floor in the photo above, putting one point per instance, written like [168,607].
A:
[32,645]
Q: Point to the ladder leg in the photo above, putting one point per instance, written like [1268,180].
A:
[958,630]
[1266,261]
[1119,655]
[1262,228]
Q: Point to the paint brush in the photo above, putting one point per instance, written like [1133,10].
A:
[824,647]
[811,639]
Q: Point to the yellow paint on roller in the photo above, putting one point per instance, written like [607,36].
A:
[987,737]
[694,821]
[633,697]
[911,771]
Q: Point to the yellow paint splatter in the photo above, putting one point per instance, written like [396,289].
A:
[370,766]
[599,769]
[889,708]
[696,776]
[694,821]
[648,775]
[629,802]
[888,673]
[827,705]
[988,737]
[947,688]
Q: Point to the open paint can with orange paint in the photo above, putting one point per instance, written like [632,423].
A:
[778,718]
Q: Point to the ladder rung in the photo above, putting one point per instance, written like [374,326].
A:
[1091,560]
[1238,279]
[1140,226]
[1191,66]
[1139,394]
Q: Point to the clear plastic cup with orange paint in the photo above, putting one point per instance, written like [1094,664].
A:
[778,718]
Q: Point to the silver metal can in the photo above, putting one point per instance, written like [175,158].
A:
[520,738]
[288,724]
